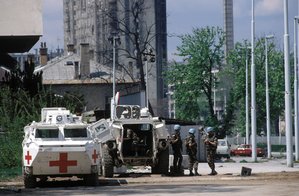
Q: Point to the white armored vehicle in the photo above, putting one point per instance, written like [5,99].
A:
[132,138]
[59,146]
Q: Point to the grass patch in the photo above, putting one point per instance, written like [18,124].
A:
[8,173]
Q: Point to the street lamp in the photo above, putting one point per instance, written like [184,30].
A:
[253,101]
[267,96]
[214,71]
[114,38]
[296,90]
[148,56]
[288,120]
[247,94]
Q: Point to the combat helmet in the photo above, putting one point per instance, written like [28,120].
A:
[191,131]
[209,129]
[177,128]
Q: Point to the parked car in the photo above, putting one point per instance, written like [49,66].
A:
[223,148]
[246,150]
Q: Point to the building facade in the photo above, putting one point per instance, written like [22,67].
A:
[138,25]
[19,29]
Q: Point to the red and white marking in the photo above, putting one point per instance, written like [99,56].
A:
[63,163]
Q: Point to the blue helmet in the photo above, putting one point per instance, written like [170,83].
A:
[209,129]
[191,131]
[177,128]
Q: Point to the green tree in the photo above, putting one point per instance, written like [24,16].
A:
[26,79]
[21,99]
[194,79]
[236,60]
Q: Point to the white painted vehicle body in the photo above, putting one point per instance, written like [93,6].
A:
[59,146]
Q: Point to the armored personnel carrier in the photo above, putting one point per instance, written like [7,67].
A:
[132,138]
[59,146]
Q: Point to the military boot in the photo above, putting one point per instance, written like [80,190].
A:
[213,173]
[191,173]
[196,173]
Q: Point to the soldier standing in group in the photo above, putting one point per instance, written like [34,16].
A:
[191,148]
[211,142]
[176,143]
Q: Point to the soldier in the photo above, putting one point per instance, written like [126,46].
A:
[191,147]
[211,142]
[176,143]
[135,144]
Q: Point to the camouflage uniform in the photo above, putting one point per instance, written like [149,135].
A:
[191,147]
[177,147]
[211,146]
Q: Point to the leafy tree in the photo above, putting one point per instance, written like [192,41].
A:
[194,79]
[237,59]
[26,79]
[21,99]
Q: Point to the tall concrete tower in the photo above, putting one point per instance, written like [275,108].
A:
[228,25]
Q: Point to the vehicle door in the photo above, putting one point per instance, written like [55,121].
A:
[100,131]
[158,133]
[118,131]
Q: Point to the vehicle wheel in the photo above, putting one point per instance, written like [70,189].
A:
[107,164]
[29,181]
[92,179]
[163,163]
[43,179]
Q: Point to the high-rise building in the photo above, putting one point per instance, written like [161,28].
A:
[228,25]
[135,22]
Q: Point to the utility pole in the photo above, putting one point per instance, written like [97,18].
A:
[253,101]
[296,90]
[247,94]
[267,98]
[288,120]
[113,105]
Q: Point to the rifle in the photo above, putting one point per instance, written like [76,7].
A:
[203,133]
[190,150]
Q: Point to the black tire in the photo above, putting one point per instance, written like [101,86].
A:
[163,163]
[108,164]
[29,181]
[92,179]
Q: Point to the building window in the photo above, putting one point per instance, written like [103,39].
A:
[83,5]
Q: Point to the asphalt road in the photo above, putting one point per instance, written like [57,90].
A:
[269,177]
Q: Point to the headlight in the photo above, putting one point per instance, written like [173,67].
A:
[94,169]
[28,170]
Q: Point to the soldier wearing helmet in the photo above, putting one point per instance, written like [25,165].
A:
[211,142]
[191,148]
[176,143]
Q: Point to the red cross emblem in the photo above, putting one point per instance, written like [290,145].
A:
[63,163]
[28,158]
[94,156]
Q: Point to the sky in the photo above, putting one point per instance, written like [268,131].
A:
[184,15]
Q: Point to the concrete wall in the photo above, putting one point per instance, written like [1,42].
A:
[201,150]
[21,17]
[95,95]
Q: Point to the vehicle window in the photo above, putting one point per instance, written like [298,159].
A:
[221,143]
[46,133]
[75,132]
[101,128]
[145,127]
